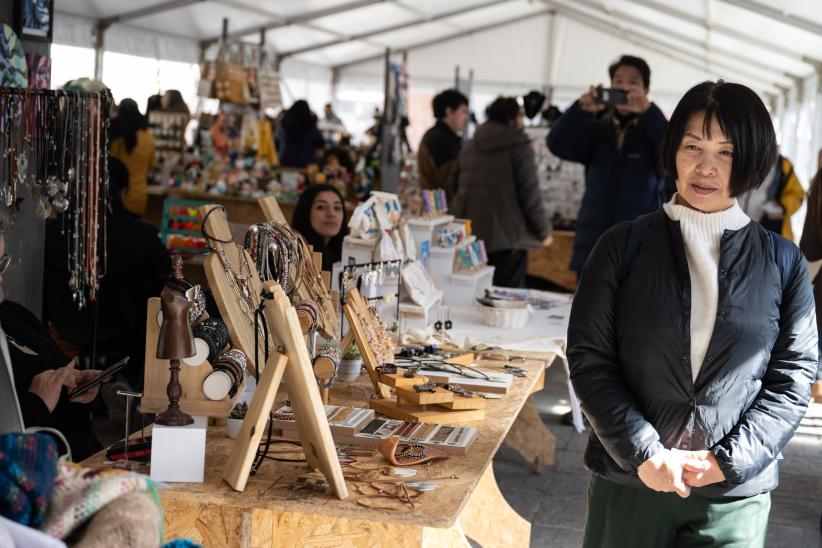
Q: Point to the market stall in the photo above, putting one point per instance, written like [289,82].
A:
[275,508]
[415,469]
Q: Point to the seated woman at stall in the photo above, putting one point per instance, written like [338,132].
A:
[320,217]
[41,372]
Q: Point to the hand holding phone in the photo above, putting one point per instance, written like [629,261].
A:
[611,96]
[86,380]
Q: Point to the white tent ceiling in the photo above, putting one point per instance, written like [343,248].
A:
[768,44]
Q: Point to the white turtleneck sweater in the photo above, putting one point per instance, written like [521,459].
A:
[701,233]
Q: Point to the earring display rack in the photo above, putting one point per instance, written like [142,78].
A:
[356,310]
[360,270]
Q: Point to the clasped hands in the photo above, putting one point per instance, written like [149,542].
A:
[675,471]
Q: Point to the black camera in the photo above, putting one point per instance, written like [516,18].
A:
[611,96]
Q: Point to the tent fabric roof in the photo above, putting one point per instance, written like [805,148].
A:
[768,44]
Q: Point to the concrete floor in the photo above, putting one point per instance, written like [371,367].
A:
[555,502]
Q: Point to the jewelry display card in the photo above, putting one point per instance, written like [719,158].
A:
[341,419]
[454,440]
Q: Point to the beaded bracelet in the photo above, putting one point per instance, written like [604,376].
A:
[215,333]
[411,451]
[312,310]
[331,351]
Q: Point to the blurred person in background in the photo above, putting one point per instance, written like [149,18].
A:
[298,138]
[498,189]
[441,144]
[133,144]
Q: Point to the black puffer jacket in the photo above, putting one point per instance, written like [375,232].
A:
[629,352]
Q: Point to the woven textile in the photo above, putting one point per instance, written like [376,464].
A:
[79,493]
[28,466]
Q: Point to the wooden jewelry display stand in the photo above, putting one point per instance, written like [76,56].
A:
[313,286]
[193,401]
[409,405]
[355,308]
[291,360]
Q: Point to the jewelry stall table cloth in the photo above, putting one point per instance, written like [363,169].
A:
[270,513]
[546,331]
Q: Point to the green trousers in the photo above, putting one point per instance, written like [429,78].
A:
[627,517]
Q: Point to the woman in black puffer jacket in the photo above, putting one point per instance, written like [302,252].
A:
[692,343]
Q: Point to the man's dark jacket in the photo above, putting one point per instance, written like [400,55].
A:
[437,158]
[498,189]
[629,351]
[620,183]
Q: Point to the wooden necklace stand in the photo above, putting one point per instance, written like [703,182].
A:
[288,356]
[313,287]
[355,308]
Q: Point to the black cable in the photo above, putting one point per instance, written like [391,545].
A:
[259,319]
[208,236]
[280,459]
[261,454]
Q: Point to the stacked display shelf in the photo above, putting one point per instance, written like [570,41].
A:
[459,288]
[171,214]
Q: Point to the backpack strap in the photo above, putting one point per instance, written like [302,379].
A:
[636,230]
[782,252]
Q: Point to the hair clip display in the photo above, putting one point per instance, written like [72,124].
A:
[426,387]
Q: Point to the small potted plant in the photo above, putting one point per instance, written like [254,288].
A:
[235,419]
[351,365]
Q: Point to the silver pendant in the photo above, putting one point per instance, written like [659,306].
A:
[60,204]
[70,174]
[51,188]
[22,168]
[43,209]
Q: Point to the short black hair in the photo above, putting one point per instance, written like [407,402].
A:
[743,118]
[450,98]
[117,176]
[636,62]
[503,109]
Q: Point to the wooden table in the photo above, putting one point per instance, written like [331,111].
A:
[269,513]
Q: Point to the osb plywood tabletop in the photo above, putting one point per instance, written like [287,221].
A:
[271,488]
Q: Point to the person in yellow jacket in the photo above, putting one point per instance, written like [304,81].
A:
[774,203]
[133,144]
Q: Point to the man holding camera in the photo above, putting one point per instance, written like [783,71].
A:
[617,134]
